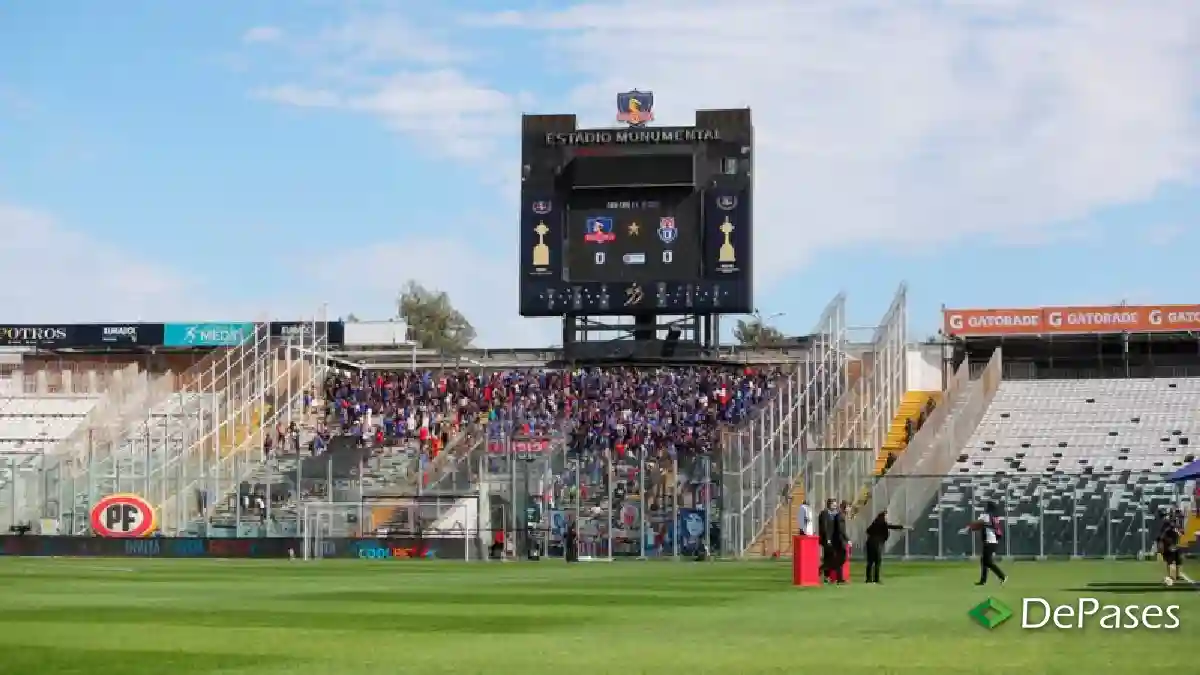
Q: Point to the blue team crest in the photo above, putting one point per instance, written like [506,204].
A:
[667,230]
[542,207]
[599,230]
[635,108]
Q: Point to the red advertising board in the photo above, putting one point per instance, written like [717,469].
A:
[1066,320]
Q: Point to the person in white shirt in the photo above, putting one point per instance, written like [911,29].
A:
[804,520]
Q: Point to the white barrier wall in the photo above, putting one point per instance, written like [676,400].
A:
[924,363]
[462,517]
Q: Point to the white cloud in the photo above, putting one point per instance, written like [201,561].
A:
[301,97]
[386,68]
[883,122]
[262,35]
[54,274]
[1163,234]
[385,39]
[481,285]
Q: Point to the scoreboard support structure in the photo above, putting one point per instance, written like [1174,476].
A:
[640,238]
[652,335]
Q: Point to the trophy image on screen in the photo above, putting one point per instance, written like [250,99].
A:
[541,252]
[727,254]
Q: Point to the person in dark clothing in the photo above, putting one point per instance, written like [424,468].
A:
[824,526]
[571,543]
[990,533]
[831,528]
[1169,535]
[877,536]
[891,461]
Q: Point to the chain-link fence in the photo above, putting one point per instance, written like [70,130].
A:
[626,501]
[1054,515]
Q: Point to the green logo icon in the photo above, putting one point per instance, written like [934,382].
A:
[990,613]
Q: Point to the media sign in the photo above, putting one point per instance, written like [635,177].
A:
[207,334]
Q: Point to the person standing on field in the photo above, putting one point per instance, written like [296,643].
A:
[877,536]
[990,533]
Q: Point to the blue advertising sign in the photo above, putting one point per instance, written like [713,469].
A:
[206,334]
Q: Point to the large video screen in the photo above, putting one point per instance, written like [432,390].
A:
[617,222]
[633,242]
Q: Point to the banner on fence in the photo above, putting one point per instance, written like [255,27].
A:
[391,548]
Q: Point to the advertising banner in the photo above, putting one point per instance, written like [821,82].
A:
[391,548]
[82,335]
[49,336]
[119,335]
[335,331]
[1068,320]
[206,334]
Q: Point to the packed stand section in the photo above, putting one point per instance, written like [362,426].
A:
[616,421]
[665,422]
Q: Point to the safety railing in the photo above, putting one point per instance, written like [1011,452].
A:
[1044,516]
[261,384]
[840,463]
[760,462]
[935,448]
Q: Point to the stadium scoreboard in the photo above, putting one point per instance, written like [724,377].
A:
[638,220]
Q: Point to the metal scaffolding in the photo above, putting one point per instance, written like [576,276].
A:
[181,441]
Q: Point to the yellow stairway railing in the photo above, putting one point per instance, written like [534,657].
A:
[911,406]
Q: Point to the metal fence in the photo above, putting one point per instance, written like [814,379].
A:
[1058,515]
[758,464]
[935,447]
[841,455]
[183,442]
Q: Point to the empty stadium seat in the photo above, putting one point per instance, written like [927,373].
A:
[1076,425]
[37,423]
[1077,466]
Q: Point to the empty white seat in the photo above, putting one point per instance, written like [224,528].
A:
[37,423]
[1086,426]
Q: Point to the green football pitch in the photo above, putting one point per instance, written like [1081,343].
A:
[159,617]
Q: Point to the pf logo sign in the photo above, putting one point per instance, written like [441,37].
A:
[123,515]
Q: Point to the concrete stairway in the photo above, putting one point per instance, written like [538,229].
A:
[910,409]
[776,538]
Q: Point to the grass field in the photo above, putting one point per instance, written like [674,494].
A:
[144,617]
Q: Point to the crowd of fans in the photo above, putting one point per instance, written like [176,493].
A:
[665,412]
[617,422]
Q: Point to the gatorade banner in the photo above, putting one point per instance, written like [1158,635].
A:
[1066,320]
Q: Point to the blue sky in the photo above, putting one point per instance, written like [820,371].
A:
[246,159]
